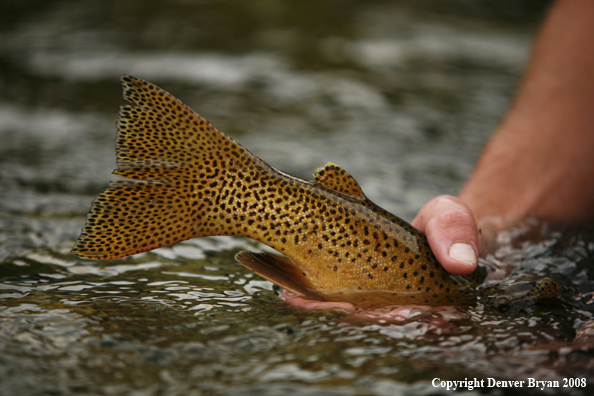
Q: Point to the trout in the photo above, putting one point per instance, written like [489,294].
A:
[187,179]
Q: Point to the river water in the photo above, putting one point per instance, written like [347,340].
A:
[402,94]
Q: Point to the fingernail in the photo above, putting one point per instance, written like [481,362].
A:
[463,252]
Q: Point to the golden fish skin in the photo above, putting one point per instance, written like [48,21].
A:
[188,180]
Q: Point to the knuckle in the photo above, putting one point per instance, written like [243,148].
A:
[455,218]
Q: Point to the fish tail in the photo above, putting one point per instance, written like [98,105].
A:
[178,166]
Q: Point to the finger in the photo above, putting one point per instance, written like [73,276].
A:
[452,233]
[314,305]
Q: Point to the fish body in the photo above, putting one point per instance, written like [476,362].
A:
[187,179]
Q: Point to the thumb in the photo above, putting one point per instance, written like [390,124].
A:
[452,233]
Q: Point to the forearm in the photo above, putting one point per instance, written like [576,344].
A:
[540,162]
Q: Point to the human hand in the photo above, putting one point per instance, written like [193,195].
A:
[436,319]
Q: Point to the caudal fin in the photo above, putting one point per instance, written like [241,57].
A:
[178,163]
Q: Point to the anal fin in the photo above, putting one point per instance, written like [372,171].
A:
[281,271]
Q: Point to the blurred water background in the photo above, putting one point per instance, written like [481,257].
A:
[402,94]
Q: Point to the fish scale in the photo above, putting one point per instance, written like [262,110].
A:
[187,179]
